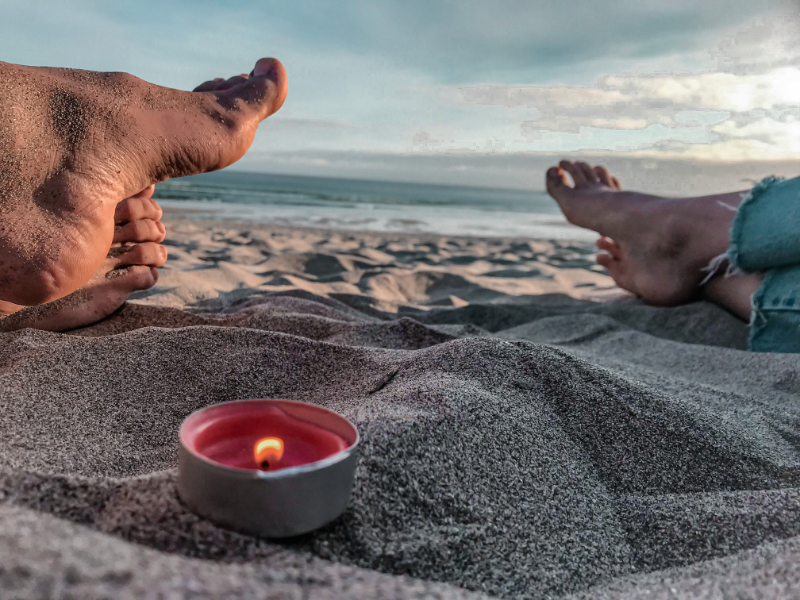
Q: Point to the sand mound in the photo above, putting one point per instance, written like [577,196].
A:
[530,447]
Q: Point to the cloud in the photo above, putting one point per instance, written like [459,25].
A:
[759,112]
[746,107]
[635,102]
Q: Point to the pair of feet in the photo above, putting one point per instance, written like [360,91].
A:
[84,149]
[651,246]
[80,153]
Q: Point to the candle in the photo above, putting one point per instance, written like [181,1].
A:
[273,468]
[263,436]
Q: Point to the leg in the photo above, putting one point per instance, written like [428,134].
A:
[734,293]
[74,144]
[653,247]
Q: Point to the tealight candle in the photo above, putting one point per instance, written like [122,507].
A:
[273,468]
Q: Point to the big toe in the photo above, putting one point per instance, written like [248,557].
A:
[264,89]
[213,127]
[557,184]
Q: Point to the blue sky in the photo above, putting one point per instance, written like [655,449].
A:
[716,80]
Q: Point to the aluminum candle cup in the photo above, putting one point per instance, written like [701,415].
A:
[271,468]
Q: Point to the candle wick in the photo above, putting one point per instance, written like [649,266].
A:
[265,464]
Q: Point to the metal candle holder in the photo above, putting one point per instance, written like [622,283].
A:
[271,468]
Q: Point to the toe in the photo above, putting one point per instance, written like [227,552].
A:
[210,130]
[556,182]
[575,171]
[208,86]
[264,90]
[603,175]
[232,82]
[146,193]
[603,243]
[616,183]
[136,209]
[142,230]
[134,278]
[606,244]
[149,254]
[603,259]
[588,172]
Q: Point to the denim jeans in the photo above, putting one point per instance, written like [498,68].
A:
[765,238]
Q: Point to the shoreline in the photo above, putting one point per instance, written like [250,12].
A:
[183,217]
[416,220]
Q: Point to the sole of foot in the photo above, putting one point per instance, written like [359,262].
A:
[131,265]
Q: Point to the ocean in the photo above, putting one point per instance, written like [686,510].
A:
[367,205]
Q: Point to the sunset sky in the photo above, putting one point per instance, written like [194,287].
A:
[392,80]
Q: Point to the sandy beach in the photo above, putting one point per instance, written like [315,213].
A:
[543,435]
[226,260]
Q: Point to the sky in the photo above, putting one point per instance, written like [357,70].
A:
[377,87]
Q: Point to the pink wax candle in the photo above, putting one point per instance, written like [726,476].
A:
[272,468]
[269,435]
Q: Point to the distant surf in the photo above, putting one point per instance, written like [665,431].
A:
[367,205]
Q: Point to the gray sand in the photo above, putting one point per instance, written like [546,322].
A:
[545,448]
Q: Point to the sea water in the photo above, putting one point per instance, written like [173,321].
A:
[367,205]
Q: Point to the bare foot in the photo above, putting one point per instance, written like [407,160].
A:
[74,144]
[131,265]
[652,246]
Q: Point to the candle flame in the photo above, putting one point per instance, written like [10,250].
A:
[268,451]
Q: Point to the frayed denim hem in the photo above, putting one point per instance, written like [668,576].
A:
[751,201]
[733,254]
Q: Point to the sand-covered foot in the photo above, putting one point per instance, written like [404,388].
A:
[652,246]
[74,144]
[131,265]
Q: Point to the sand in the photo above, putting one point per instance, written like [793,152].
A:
[528,430]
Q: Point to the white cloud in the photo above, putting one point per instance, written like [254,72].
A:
[744,105]
[646,99]
[741,115]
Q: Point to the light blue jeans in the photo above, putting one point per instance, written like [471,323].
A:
[765,238]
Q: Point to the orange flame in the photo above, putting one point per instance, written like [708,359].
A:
[268,451]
